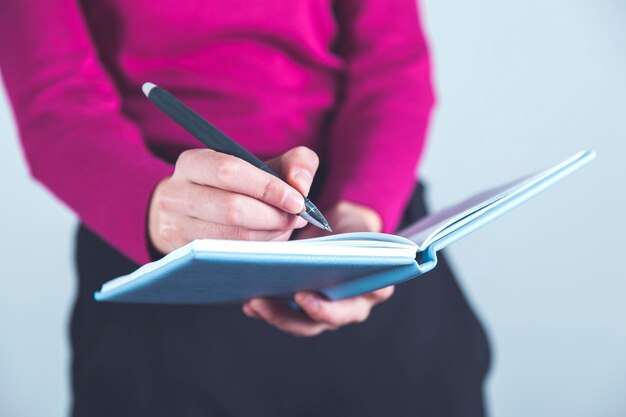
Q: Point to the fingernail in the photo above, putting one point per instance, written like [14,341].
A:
[304,180]
[294,203]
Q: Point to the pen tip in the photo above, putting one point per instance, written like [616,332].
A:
[327,227]
[146,88]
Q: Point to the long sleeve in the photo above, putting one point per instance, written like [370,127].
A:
[378,133]
[75,138]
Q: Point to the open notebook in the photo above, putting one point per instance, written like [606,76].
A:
[338,266]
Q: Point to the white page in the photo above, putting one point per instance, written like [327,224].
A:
[444,222]
[376,244]
[371,245]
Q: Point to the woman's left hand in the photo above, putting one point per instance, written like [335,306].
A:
[319,314]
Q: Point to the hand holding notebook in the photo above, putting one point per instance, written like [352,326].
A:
[338,266]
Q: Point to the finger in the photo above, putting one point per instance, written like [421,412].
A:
[284,237]
[248,311]
[380,295]
[207,167]
[283,317]
[189,229]
[335,313]
[310,232]
[297,166]
[231,209]
[199,229]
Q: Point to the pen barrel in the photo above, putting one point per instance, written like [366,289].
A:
[268,170]
[205,132]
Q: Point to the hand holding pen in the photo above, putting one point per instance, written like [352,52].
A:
[219,196]
[228,194]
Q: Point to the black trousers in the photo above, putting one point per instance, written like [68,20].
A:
[422,353]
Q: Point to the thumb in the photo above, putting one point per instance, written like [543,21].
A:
[297,167]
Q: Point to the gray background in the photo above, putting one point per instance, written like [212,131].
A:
[521,85]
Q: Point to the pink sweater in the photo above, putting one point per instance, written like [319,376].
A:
[348,78]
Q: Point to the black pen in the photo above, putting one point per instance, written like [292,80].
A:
[215,139]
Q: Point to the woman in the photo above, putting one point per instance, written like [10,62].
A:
[344,82]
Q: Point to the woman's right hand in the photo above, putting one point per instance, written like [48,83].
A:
[214,195]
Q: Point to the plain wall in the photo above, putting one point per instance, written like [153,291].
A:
[521,85]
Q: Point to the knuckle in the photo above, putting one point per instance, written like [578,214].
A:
[192,205]
[226,169]
[272,190]
[169,201]
[231,217]
[167,231]
[234,210]
[243,234]
[162,188]
[162,205]
[185,158]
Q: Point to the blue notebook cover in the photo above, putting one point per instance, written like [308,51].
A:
[338,266]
